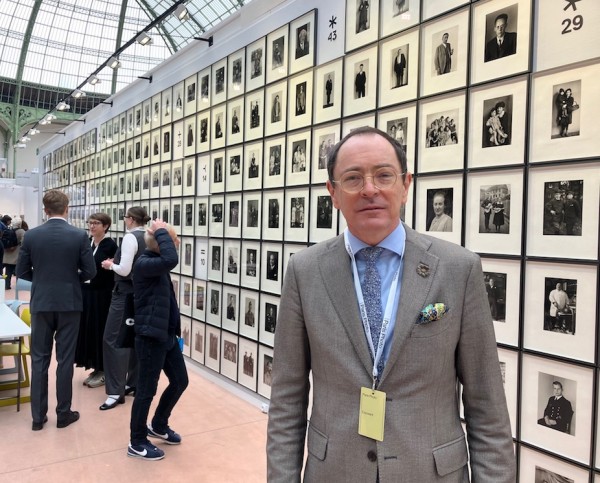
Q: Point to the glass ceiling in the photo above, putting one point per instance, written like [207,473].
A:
[62,42]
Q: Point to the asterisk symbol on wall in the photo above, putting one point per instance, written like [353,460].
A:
[571,3]
[333,20]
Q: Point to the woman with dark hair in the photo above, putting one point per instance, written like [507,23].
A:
[96,295]
[565,115]
[120,364]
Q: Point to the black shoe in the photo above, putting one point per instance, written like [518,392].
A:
[130,390]
[105,406]
[39,426]
[70,418]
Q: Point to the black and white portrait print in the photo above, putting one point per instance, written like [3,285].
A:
[268,370]
[234,165]
[442,129]
[324,211]
[301,99]
[213,346]
[329,91]
[252,218]
[543,475]
[215,297]
[248,366]
[191,92]
[216,258]
[256,63]
[204,87]
[234,213]
[565,109]
[439,209]
[443,55]
[396,128]
[363,15]
[220,80]
[251,264]
[326,143]
[563,201]
[231,307]
[200,297]
[495,286]
[500,35]
[202,207]
[270,317]
[273,221]
[302,43]
[299,156]
[217,213]
[494,211]
[297,212]
[272,265]
[275,160]
[218,170]
[361,76]
[400,7]
[236,72]
[278,52]
[230,351]
[557,403]
[560,298]
[399,62]
[497,121]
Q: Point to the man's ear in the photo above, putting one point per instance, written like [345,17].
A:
[332,193]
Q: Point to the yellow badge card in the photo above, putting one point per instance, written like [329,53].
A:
[371,419]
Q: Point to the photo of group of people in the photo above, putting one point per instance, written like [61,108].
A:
[442,129]
[562,207]
[566,120]
[495,209]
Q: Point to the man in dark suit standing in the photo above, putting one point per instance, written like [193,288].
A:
[399,66]
[504,43]
[56,257]
[360,83]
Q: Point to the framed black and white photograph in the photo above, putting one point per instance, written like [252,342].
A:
[251,215]
[218,167]
[323,219]
[360,81]
[177,178]
[271,265]
[197,338]
[323,141]
[401,124]
[362,23]
[303,42]
[230,308]
[269,308]
[166,98]
[444,53]
[156,115]
[538,467]
[497,123]
[274,162]
[185,296]
[212,348]
[178,100]
[203,175]
[563,211]
[328,91]
[146,115]
[205,91]
[250,268]
[265,371]
[219,82]
[560,309]
[253,165]
[188,139]
[295,220]
[542,381]
[203,131]
[213,313]
[202,216]
[502,278]
[166,134]
[186,255]
[218,129]
[186,335]
[235,121]
[199,302]
[300,100]
[399,68]
[276,64]
[234,164]
[562,123]
[442,133]
[439,207]
[398,15]
[255,115]
[275,108]
[236,65]
[233,215]
[298,163]
[273,215]
[190,91]
[247,363]
[494,212]
[189,176]
[165,180]
[501,40]
[255,64]
[249,314]
[216,215]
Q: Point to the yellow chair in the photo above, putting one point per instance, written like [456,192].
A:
[8,350]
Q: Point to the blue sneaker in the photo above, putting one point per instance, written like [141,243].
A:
[146,451]
[169,436]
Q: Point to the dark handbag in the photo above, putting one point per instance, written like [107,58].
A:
[126,337]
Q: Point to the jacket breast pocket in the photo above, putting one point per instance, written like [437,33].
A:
[431,329]
[451,456]
[317,443]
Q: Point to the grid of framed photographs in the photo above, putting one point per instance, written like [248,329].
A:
[505,162]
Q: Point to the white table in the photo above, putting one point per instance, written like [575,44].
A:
[12,328]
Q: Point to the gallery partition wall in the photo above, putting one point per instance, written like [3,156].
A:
[496,103]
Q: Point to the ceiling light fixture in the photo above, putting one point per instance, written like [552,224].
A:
[144,39]
[114,63]
[181,12]
[62,106]
[93,80]
[76,94]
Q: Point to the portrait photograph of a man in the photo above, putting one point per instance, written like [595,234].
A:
[501,39]
[560,297]
[556,411]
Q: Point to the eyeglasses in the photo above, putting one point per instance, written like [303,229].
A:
[354,181]
[127,216]
[94,223]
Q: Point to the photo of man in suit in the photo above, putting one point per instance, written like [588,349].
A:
[443,56]
[558,412]
[360,82]
[399,66]
[503,43]
[56,257]
[302,48]
[323,333]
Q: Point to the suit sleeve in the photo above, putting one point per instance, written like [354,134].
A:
[286,431]
[87,265]
[488,425]
[24,267]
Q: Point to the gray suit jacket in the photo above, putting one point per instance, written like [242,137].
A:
[319,329]
[56,257]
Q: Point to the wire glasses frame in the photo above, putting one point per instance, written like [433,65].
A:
[382,179]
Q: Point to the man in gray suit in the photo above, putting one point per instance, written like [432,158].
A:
[56,257]
[385,357]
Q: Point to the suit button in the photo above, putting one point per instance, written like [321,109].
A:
[372,456]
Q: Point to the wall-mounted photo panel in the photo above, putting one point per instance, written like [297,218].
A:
[560,309]
[271,267]
[444,53]
[197,341]
[501,39]
[191,91]
[137,151]
[215,259]
[497,124]
[540,467]
[218,126]
[186,256]
[255,64]
[442,133]
[218,166]
[219,82]
[234,165]
[212,348]
[295,219]
[165,180]
[166,134]
[265,371]
[255,115]
[187,216]
[128,132]
[146,115]
[155,146]
[230,308]
[360,81]
[399,68]
[509,368]
[300,100]
[562,212]
[561,425]
[277,54]
[502,278]
[233,215]
[494,212]
[154,211]
[202,216]
[154,181]
[176,214]
[562,124]
[205,90]
[323,217]
[235,121]
[362,23]
[203,134]
[323,141]
[399,15]
[269,308]
[328,91]
[249,314]
[250,271]
[216,214]
[303,35]
[439,207]
[236,84]
[178,101]
[247,363]
[298,163]
[199,307]
[177,178]
[188,138]
[185,296]
[253,165]
[189,176]
[214,293]
[166,106]
[186,335]
[401,124]
[165,211]
[274,162]
[251,216]
[276,108]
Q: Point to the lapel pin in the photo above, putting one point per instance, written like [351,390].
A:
[423,270]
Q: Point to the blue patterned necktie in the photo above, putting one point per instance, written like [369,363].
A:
[371,289]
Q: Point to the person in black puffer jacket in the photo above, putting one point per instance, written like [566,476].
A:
[157,328]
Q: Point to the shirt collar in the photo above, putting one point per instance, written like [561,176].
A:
[56,218]
[393,242]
